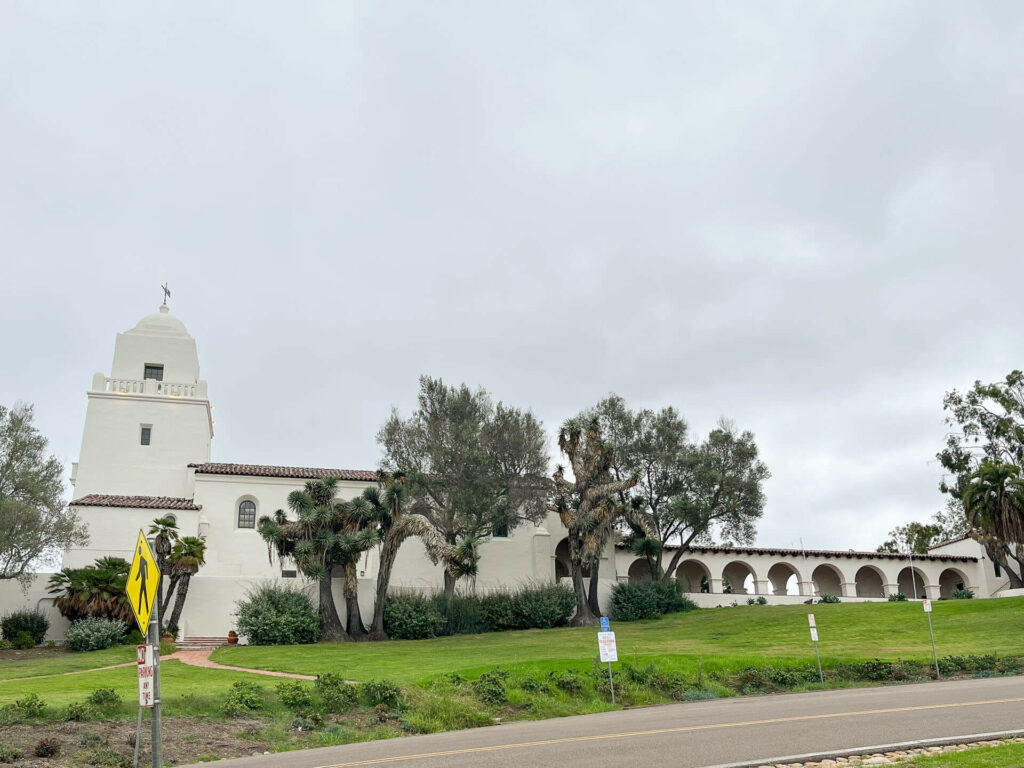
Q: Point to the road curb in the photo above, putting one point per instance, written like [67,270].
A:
[815,757]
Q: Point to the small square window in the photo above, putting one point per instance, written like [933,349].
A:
[147,433]
[289,574]
[152,371]
[500,531]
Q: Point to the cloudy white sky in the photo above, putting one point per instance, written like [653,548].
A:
[804,216]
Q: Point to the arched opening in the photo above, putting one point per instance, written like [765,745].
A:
[738,579]
[694,576]
[784,579]
[563,565]
[912,583]
[827,580]
[870,582]
[639,570]
[950,580]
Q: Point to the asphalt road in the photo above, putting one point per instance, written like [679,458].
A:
[699,734]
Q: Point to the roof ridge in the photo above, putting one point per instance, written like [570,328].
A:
[277,470]
[133,501]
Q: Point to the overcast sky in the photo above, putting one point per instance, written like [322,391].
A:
[806,217]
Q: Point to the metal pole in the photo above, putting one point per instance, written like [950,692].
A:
[935,654]
[818,656]
[138,738]
[913,575]
[154,717]
[611,682]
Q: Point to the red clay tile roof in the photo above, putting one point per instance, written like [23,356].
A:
[300,473]
[135,502]
[833,554]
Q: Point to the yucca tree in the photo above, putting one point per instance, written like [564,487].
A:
[588,505]
[187,556]
[385,504]
[94,590]
[994,503]
[324,535]
[164,532]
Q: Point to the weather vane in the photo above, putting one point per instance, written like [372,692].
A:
[167,293]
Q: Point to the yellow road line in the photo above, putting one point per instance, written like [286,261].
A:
[658,731]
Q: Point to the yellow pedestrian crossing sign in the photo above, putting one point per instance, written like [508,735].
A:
[142,581]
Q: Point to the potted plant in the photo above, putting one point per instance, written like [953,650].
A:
[232,637]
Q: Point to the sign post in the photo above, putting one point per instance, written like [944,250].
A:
[607,649]
[814,638]
[143,577]
[928,610]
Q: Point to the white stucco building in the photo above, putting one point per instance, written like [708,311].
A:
[146,452]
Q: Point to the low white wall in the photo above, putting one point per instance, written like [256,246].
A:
[15,598]
[1011,593]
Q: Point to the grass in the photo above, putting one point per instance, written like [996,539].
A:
[722,639]
[1003,756]
[43,662]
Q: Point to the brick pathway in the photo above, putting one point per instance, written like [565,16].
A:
[202,659]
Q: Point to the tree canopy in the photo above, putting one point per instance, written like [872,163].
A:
[35,523]
[471,467]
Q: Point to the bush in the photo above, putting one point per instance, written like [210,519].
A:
[827,598]
[274,614]
[336,693]
[76,711]
[108,758]
[47,748]
[569,681]
[23,642]
[529,607]
[104,698]
[897,597]
[33,622]
[377,692]
[462,614]
[31,705]
[648,600]
[412,617]
[243,698]
[93,634]
[133,637]
[963,594]
[9,754]
[294,695]
[491,687]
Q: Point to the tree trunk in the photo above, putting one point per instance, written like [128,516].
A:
[179,600]
[584,617]
[330,621]
[449,587]
[592,597]
[354,619]
[170,593]
[388,554]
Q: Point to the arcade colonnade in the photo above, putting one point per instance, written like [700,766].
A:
[793,573]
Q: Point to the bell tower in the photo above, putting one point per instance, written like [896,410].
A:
[149,418]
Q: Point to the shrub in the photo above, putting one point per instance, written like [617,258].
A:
[243,698]
[47,748]
[31,705]
[9,754]
[133,637]
[77,710]
[963,594]
[33,622]
[412,617]
[827,598]
[491,687]
[23,642]
[462,614]
[648,600]
[93,634]
[377,692]
[105,757]
[294,695]
[307,720]
[875,670]
[897,597]
[529,607]
[104,698]
[762,600]
[336,693]
[10,714]
[569,681]
[273,614]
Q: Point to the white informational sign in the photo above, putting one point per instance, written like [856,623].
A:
[606,645]
[927,606]
[144,658]
[814,634]
[810,619]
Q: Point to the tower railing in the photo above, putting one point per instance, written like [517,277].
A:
[195,390]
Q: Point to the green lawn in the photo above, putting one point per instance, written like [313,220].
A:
[720,638]
[1004,756]
[40,662]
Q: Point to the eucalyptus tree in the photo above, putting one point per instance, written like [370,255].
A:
[387,506]
[471,468]
[187,556]
[589,505]
[322,537]
[986,427]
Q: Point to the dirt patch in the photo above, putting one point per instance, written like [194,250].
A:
[110,743]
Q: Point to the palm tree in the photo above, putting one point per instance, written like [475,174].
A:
[94,590]
[386,505]
[164,531]
[186,558]
[994,502]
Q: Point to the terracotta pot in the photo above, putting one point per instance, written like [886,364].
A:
[232,639]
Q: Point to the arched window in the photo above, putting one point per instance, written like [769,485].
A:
[172,518]
[247,514]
